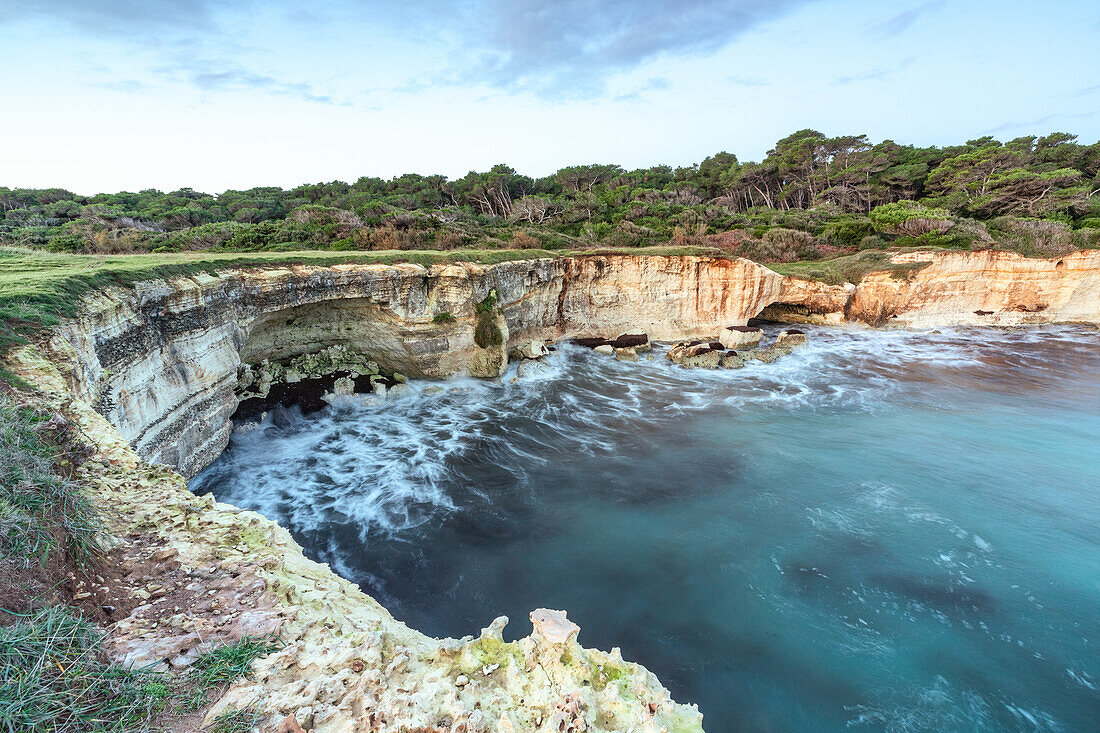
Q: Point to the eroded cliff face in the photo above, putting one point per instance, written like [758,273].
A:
[160,360]
[982,288]
[149,374]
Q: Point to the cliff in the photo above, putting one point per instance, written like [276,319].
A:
[149,374]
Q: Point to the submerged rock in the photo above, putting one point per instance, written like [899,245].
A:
[772,353]
[532,350]
[697,354]
[730,360]
[531,368]
[739,337]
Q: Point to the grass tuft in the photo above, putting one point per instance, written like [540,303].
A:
[53,679]
[228,662]
[236,721]
[40,511]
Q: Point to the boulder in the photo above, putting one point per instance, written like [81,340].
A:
[697,354]
[740,337]
[397,391]
[792,338]
[606,349]
[730,360]
[432,389]
[772,353]
[631,339]
[532,350]
[343,386]
[628,354]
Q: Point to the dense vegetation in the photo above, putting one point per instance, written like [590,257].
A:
[813,197]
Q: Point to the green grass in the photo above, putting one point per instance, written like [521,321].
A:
[236,721]
[52,679]
[40,511]
[850,268]
[231,661]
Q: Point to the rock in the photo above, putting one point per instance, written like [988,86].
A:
[400,378]
[432,389]
[553,627]
[531,368]
[532,350]
[697,354]
[731,361]
[739,337]
[637,339]
[343,386]
[398,391]
[289,724]
[490,363]
[772,353]
[462,680]
[791,337]
[628,354]
[605,349]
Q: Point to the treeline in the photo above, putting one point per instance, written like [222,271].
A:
[812,197]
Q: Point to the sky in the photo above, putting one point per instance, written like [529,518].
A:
[108,95]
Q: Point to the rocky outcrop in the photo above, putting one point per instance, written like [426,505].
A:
[981,288]
[346,664]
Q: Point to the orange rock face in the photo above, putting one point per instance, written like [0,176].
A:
[982,288]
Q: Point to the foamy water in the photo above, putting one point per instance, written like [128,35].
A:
[884,531]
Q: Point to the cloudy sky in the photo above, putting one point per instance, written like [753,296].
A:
[103,95]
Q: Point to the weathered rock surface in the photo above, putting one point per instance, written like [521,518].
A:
[532,350]
[696,354]
[347,664]
[792,337]
[740,337]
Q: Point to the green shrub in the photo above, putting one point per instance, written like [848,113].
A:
[444,317]
[910,218]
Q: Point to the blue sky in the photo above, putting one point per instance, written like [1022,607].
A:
[99,95]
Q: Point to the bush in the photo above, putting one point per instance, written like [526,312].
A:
[847,232]
[909,218]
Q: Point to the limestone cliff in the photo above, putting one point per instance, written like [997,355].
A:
[160,360]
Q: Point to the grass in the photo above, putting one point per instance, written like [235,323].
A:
[41,512]
[236,721]
[850,268]
[52,679]
[231,661]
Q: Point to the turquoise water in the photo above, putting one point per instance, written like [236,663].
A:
[886,531]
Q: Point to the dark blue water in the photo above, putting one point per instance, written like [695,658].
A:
[886,531]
